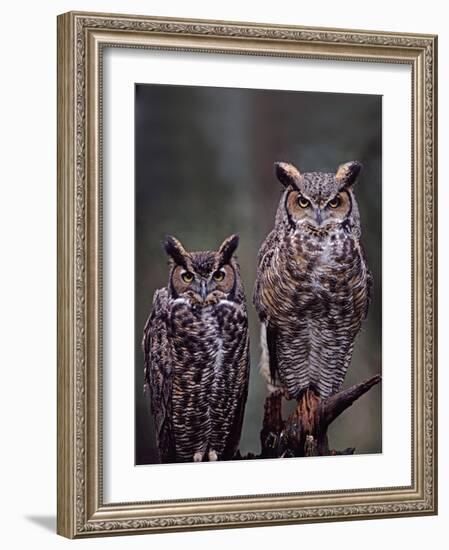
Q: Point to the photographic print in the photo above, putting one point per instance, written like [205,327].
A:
[258,274]
[239,343]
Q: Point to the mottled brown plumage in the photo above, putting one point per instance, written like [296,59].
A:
[197,355]
[313,284]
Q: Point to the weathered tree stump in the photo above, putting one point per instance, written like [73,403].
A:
[304,433]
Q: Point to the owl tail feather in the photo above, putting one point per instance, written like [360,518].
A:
[267,364]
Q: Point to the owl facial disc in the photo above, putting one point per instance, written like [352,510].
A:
[202,278]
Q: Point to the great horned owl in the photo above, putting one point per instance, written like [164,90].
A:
[313,284]
[196,351]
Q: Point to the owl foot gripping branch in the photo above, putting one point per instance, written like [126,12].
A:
[304,433]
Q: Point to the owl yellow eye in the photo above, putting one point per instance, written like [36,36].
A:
[303,202]
[187,277]
[218,276]
[334,202]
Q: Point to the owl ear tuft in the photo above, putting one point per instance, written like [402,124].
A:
[175,250]
[347,173]
[228,247]
[287,173]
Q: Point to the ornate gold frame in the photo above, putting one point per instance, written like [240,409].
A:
[81,37]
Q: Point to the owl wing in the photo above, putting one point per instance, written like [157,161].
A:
[266,252]
[263,282]
[271,335]
[242,357]
[158,374]
[369,280]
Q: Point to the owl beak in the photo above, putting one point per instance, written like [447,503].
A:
[203,290]
[318,216]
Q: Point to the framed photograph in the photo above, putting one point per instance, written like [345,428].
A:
[246,274]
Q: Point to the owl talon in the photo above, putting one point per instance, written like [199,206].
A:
[273,389]
[198,456]
[212,456]
[285,394]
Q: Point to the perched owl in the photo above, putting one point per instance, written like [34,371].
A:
[313,284]
[196,351]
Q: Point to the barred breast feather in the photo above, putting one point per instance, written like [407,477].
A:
[312,294]
[196,366]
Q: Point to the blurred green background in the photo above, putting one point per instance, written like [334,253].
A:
[204,170]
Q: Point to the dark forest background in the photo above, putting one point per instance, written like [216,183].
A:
[204,169]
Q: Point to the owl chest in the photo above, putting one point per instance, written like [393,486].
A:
[315,259]
[314,273]
[201,382]
[199,340]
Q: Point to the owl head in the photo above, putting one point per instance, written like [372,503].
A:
[318,200]
[203,278]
